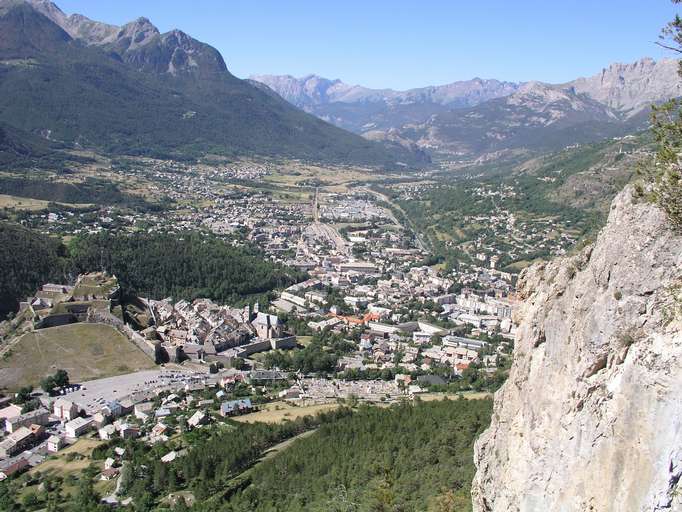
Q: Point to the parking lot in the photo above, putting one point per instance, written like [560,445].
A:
[96,393]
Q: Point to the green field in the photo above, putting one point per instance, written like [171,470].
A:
[86,351]
[27,203]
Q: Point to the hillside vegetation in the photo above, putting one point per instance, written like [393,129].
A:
[571,188]
[187,265]
[53,85]
[184,266]
[27,259]
[408,458]
[91,190]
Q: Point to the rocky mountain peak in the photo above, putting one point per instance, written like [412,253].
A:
[47,8]
[139,42]
[557,101]
[25,32]
[634,86]
[595,378]
[135,34]
[172,52]
[76,25]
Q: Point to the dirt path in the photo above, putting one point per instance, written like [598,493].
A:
[270,453]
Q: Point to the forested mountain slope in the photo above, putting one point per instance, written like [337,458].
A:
[167,94]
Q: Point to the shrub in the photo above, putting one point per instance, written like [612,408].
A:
[663,176]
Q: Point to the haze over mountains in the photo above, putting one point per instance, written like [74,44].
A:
[478,117]
[361,109]
[133,90]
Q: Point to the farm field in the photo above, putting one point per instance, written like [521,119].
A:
[27,203]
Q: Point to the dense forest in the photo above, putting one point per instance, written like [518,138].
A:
[188,265]
[27,260]
[183,266]
[403,458]
[90,96]
[215,462]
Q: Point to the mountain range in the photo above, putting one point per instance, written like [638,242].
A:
[488,118]
[134,90]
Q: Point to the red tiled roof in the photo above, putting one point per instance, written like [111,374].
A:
[14,468]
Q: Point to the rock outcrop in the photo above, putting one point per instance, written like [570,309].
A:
[629,88]
[591,415]
[138,43]
[313,90]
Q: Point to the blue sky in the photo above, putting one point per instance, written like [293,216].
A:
[403,44]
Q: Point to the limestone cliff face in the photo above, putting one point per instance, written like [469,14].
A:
[591,416]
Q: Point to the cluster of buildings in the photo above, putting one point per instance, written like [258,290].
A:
[340,208]
[207,332]
[223,198]
[152,413]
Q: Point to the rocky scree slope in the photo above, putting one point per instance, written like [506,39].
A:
[591,415]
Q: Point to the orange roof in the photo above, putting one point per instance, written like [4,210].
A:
[368,317]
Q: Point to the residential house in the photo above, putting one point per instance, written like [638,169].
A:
[40,416]
[109,474]
[198,418]
[162,412]
[14,469]
[16,442]
[65,409]
[113,409]
[158,433]
[78,426]
[126,406]
[107,432]
[54,444]
[143,410]
[236,407]
[100,419]
[11,411]
[127,431]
